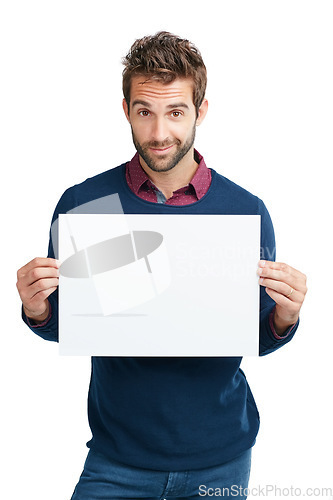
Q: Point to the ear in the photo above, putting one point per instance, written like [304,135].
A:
[126,110]
[202,112]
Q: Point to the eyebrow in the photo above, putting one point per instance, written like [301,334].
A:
[170,106]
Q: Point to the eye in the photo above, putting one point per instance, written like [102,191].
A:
[176,114]
[144,112]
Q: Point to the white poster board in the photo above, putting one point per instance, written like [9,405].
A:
[159,285]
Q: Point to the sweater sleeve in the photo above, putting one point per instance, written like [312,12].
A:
[48,330]
[269,341]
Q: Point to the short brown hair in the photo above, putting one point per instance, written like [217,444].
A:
[165,57]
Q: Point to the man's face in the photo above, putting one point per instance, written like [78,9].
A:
[163,121]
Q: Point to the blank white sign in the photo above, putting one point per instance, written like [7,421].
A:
[159,285]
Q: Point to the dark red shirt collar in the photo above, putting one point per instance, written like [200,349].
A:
[137,178]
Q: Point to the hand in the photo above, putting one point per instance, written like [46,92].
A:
[35,282]
[287,287]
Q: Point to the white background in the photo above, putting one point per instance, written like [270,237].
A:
[269,128]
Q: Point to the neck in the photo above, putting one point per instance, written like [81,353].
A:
[173,179]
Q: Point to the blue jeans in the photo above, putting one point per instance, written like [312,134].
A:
[105,479]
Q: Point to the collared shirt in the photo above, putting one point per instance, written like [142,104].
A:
[142,186]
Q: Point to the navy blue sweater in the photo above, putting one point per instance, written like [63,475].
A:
[172,413]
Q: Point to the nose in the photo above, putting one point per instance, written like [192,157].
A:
[160,130]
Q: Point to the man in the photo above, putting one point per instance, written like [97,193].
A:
[168,427]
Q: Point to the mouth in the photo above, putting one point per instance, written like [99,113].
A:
[161,151]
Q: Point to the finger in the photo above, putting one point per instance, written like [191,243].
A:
[41,286]
[278,286]
[38,262]
[36,274]
[277,275]
[281,266]
[38,299]
[281,272]
[280,299]
[44,293]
